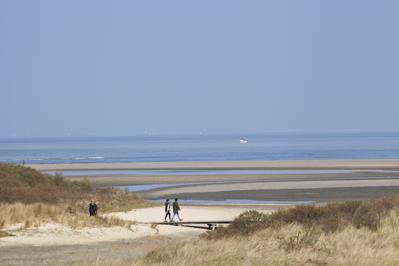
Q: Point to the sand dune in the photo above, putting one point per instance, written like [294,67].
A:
[57,234]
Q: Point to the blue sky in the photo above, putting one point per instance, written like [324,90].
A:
[183,67]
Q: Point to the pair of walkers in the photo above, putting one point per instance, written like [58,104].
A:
[175,208]
[93,207]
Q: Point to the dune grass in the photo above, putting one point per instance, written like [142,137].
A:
[35,214]
[27,185]
[347,233]
[30,198]
[290,244]
[327,218]
[5,234]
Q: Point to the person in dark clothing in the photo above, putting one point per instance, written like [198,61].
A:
[167,210]
[95,207]
[176,209]
[91,208]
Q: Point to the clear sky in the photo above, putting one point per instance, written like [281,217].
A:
[179,67]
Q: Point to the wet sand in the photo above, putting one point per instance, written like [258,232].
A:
[366,179]
[317,195]
[115,180]
[280,185]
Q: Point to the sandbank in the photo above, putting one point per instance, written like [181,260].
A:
[278,164]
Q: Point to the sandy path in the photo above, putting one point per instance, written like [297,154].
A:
[188,213]
[121,250]
[57,234]
[54,244]
[293,164]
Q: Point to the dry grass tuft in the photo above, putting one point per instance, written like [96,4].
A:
[32,215]
[5,234]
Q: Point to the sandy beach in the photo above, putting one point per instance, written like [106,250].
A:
[361,179]
[286,164]
[56,234]
[276,186]
[120,180]
[31,247]
[353,179]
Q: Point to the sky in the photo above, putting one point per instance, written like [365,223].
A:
[99,68]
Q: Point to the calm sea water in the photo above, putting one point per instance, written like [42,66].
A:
[200,148]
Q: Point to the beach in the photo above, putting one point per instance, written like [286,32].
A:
[210,195]
[284,182]
[53,244]
[276,164]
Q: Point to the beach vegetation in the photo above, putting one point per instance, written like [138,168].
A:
[31,198]
[327,218]
[345,233]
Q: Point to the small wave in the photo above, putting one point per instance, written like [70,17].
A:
[62,158]
[87,158]
[27,159]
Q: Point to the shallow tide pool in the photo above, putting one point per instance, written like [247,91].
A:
[237,202]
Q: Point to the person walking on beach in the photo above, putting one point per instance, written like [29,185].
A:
[176,209]
[167,210]
[91,208]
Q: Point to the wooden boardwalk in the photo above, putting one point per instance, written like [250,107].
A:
[211,225]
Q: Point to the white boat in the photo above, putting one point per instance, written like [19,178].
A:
[243,141]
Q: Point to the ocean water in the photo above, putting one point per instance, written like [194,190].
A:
[277,146]
[147,187]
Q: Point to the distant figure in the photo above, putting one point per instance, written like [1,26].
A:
[167,209]
[91,208]
[176,209]
[95,208]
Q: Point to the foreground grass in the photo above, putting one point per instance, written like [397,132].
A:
[5,234]
[328,218]
[31,198]
[347,233]
[290,245]
[35,214]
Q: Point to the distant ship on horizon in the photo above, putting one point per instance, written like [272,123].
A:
[243,141]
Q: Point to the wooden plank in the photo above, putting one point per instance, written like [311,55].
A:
[190,222]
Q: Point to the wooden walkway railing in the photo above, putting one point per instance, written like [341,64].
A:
[211,225]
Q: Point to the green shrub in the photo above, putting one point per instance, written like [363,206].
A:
[328,218]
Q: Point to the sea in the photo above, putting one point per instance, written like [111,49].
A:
[267,146]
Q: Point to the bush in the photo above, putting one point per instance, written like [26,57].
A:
[27,185]
[328,218]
